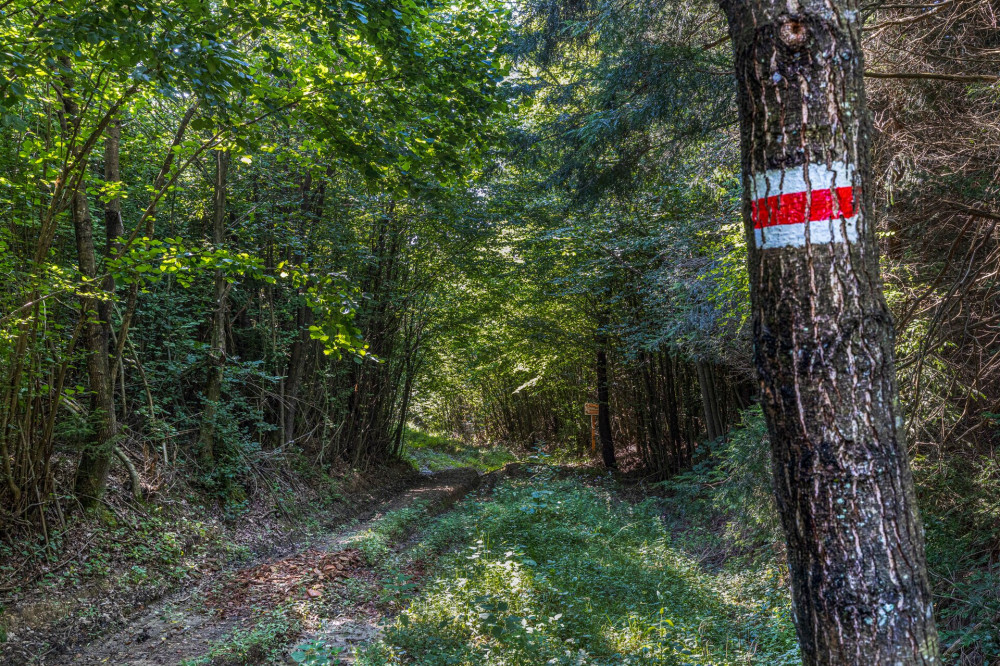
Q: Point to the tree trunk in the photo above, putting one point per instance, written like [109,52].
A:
[92,472]
[217,351]
[711,373]
[707,403]
[95,459]
[824,337]
[405,406]
[603,411]
[673,419]
[114,228]
[312,211]
[296,368]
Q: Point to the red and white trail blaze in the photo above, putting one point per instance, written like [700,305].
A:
[798,206]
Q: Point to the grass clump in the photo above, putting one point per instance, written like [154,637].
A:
[263,643]
[561,572]
[435,453]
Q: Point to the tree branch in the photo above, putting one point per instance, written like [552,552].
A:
[962,78]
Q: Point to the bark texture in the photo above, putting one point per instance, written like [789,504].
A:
[303,347]
[92,472]
[824,347]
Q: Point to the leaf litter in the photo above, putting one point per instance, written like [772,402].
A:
[304,575]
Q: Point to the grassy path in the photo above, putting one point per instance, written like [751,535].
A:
[544,565]
[556,569]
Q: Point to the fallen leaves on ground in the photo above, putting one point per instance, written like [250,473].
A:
[299,576]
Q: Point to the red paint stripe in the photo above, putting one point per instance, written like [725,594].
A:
[791,208]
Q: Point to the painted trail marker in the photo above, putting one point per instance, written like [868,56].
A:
[800,205]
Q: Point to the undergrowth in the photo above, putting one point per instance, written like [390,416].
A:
[376,542]
[567,572]
[959,508]
[730,488]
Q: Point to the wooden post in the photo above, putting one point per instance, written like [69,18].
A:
[592,409]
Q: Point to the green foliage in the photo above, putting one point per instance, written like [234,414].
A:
[152,553]
[961,517]
[733,480]
[353,130]
[376,542]
[556,571]
[263,643]
[315,653]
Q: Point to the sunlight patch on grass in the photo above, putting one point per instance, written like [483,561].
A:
[376,542]
[435,453]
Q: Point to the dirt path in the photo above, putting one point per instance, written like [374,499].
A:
[239,603]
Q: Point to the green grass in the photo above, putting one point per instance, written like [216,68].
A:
[436,453]
[560,572]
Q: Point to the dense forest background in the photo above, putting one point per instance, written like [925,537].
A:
[246,243]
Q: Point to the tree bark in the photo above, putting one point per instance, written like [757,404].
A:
[673,421]
[824,337]
[312,211]
[707,401]
[296,369]
[114,228]
[603,410]
[217,350]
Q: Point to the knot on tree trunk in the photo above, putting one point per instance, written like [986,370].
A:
[793,33]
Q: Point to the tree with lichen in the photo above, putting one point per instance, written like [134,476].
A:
[824,337]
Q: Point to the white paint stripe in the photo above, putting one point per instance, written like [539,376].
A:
[820,231]
[777,181]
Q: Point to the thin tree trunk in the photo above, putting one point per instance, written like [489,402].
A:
[92,472]
[114,228]
[603,410]
[673,420]
[824,337]
[296,368]
[707,401]
[712,375]
[404,407]
[217,351]
[312,210]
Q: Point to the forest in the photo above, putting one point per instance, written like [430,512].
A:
[503,332]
